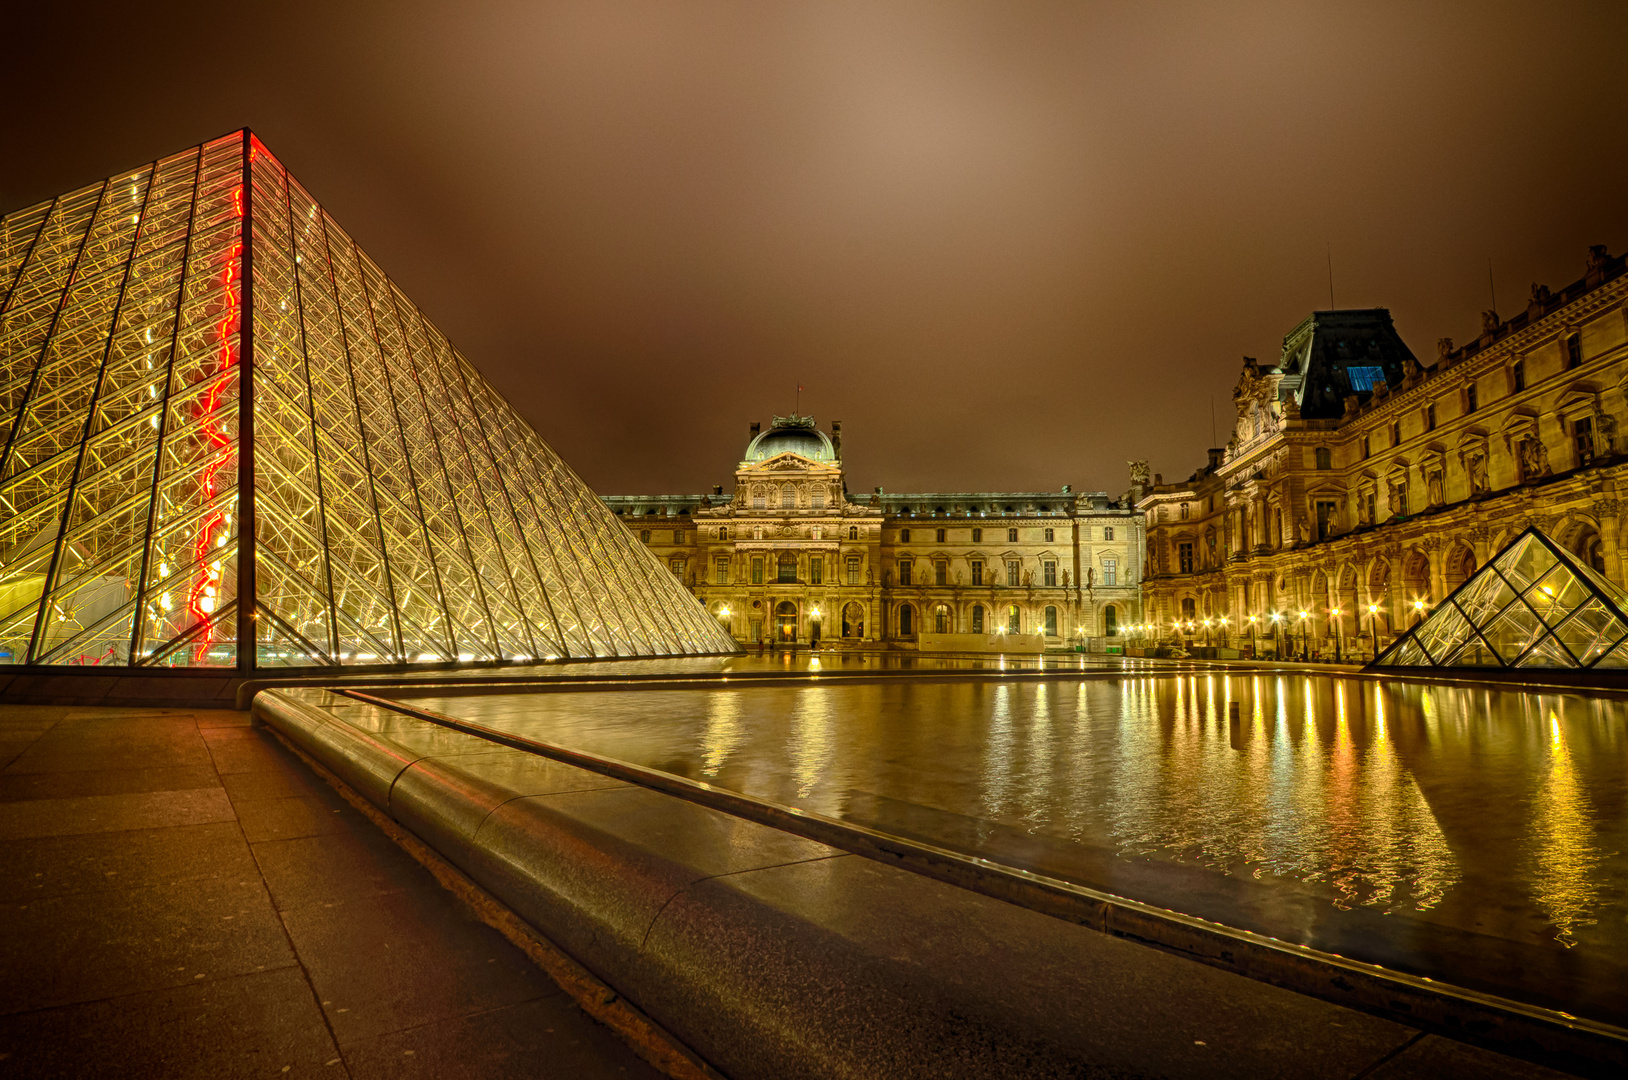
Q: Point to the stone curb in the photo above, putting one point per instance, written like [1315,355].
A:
[759,986]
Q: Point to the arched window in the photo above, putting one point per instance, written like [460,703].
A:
[1051,621]
[1014,620]
[853,532]
[1110,621]
[907,621]
[760,499]
[941,619]
[977,618]
[723,532]
[816,498]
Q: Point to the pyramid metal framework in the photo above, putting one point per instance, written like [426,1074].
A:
[1533,606]
[221,423]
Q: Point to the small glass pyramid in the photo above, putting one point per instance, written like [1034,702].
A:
[229,440]
[1534,606]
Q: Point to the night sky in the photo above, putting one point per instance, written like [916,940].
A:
[1009,245]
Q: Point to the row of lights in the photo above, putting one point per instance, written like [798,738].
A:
[1276,617]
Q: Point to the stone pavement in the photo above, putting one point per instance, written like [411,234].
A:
[184,898]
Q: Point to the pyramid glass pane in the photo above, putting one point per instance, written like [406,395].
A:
[220,422]
[1567,616]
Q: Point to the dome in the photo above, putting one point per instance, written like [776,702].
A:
[792,435]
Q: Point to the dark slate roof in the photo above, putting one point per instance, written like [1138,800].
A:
[1333,354]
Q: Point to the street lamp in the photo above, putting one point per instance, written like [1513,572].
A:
[1223,622]
[1254,641]
[1373,626]
[1304,655]
[1339,636]
[1206,631]
[1418,611]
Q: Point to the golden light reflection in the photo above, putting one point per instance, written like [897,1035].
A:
[1564,855]
[722,733]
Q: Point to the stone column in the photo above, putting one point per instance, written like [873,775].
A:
[1438,571]
[1605,512]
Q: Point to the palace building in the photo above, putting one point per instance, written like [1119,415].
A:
[1361,486]
[789,556]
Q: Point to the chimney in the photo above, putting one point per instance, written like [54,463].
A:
[836,438]
[1215,453]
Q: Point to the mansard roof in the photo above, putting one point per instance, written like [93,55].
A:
[1332,355]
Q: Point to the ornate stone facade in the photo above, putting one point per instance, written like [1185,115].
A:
[790,556]
[1361,482]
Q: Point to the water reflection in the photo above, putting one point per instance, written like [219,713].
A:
[1359,817]
[1563,851]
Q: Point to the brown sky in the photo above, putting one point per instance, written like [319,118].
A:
[1009,245]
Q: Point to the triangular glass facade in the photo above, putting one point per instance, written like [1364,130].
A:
[1533,606]
[220,422]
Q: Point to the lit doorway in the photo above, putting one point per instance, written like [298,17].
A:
[785,621]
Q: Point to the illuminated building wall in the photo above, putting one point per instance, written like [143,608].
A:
[221,422]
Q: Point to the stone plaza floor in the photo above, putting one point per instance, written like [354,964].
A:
[185,898]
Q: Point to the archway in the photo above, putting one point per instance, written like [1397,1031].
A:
[1051,621]
[941,619]
[1458,566]
[853,620]
[1586,545]
[785,621]
[1415,588]
[1014,620]
[977,618]
[1110,621]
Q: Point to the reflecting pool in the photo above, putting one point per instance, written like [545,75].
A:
[1471,835]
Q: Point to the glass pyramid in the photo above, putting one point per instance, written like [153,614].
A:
[1533,606]
[221,423]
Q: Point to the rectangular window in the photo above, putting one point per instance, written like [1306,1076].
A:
[1050,535]
[1110,572]
[644,536]
[1108,533]
[1574,351]
[1401,500]
[904,571]
[1325,519]
[1430,418]
[723,532]
[1518,372]
[720,570]
[1470,402]
[1184,557]
[788,569]
[853,570]
[757,571]
[977,572]
[977,618]
[904,536]
[1363,378]
[1013,571]
[1049,570]
[940,536]
[941,572]
[1325,460]
[678,536]
[1366,448]
[816,570]
[1584,430]
[1011,536]
[1396,433]
[760,501]
[977,536]
[677,567]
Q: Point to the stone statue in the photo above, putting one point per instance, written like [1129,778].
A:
[1443,347]
[1608,430]
[1028,578]
[1434,483]
[1534,458]
[1304,529]
[1476,466]
[1396,496]
[1065,579]
[1540,294]
[1140,472]
[1490,322]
